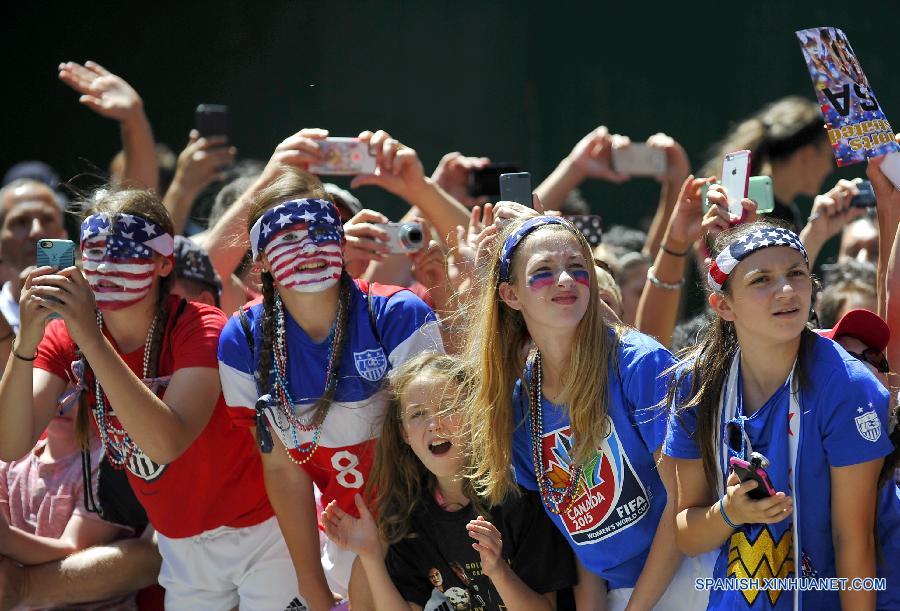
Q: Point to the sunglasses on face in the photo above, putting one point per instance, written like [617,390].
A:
[873,357]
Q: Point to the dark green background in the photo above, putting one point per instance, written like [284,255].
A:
[519,81]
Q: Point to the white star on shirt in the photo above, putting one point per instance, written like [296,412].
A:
[150,229]
[283,219]
[859,409]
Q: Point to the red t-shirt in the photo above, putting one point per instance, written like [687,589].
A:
[218,481]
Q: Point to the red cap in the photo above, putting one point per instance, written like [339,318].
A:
[866,326]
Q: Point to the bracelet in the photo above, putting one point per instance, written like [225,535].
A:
[20,357]
[724,515]
[666,286]
[9,335]
[666,250]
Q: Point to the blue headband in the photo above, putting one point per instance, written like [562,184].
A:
[310,212]
[512,242]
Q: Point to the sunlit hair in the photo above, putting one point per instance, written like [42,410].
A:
[771,134]
[399,481]
[147,205]
[291,184]
[496,351]
[710,359]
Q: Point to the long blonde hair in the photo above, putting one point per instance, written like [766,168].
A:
[495,352]
[399,480]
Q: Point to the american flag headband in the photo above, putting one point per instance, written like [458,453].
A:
[128,235]
[752,242]
[320,217]
[513,241]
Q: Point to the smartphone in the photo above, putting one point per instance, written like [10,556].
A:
[404,237]
[866,197]
[516,187]
[344,157]
[55,253]
[211,120]
[753,470]
[735,179]
[759,190]
[590,225]
[486,181]
[639,159]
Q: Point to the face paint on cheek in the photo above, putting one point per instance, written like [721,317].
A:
[581,276]
[541,280]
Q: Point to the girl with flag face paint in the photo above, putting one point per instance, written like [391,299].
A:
[144,365]
[575,405]
[306,367]
[761,382]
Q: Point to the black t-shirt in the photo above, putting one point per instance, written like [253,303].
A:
[436,567]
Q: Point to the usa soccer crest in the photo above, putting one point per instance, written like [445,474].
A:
[869,426]
[371,364]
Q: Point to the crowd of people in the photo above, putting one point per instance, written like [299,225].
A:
[276,411]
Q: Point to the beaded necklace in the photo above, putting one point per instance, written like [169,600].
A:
[118,452]
[285,400]
[553,496]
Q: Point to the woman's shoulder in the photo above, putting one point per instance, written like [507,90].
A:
[635,348]
[831,369]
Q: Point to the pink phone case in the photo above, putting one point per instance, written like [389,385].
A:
[761,476]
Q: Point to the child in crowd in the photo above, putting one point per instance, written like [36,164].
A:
[446,547]
[305,368]
[572,403]
[760,384]
[145,363]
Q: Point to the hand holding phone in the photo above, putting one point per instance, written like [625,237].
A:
[211,120]
[516,187]
[55,253]
[344,157]
[866,197]
[735,179]
[639,159]
[759,190]
[754,470]
[486,181]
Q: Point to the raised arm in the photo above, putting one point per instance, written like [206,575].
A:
[888,207]
[27,395]
[201,162]
[111,96]
[399,171]
[831,212]
[678,166]
[590,158]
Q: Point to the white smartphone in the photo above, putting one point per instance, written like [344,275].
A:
[735,178]
[890,167]
[639,159]
[344,157]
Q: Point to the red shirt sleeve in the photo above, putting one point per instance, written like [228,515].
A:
[56,351]
[195,338]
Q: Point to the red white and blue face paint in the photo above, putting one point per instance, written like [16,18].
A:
[302,241]
[512,242]
[118,257]
[543,279]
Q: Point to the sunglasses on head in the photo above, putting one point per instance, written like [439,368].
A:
[873,357]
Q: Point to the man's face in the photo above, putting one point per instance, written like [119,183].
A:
[31,215]
[859,241]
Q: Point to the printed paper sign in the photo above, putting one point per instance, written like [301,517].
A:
[857,128]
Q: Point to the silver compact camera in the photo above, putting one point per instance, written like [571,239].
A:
[404,237]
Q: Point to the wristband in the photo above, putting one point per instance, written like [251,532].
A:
[666,286]
[724,515]
[666,250]
[20,357]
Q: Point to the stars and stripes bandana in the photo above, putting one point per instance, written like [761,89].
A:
[763,237]
[509,246]
[318,216]
[117,257]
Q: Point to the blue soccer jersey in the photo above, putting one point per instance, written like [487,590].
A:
[343,459]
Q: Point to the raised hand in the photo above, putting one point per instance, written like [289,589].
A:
[718,219]
[489,544]
[686,224]
[397,167]
[359,535]
[592,156]
[364,241]
[452,175]
[298,150]
[202,160]
[430,267]
[678,166]
[102,91]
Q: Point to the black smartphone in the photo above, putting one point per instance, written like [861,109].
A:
[866,197]
[754,470]
[211,120]
[516,187]
[486,181]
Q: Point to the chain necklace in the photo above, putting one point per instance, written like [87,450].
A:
[118,452]
[554,497]
[285,401]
